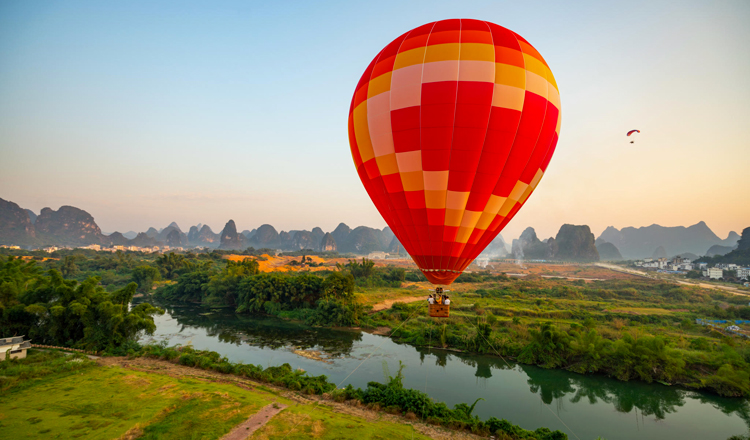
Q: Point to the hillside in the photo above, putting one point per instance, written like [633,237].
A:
[15,225]
[572,243]
[67,226]
[496,249]
[718,250]
[740,256]
[608,251]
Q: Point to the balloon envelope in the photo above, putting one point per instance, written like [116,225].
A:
[451,128]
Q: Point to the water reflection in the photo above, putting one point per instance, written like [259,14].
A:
[236,329]
[558,385]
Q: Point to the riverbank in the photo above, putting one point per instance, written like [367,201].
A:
[127,398]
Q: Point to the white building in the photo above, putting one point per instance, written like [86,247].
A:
[702,265]
[743,273]
[13,348]
[714,273]
[377,256]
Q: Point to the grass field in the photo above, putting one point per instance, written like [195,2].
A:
[52,396]
[97,402]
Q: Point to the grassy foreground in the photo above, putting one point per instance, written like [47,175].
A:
[50,395]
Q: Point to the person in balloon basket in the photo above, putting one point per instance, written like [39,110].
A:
[430,300]
[447,300]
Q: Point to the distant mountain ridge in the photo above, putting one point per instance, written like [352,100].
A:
[71,226]
[644,242]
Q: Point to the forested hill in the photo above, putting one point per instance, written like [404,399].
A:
[740,255]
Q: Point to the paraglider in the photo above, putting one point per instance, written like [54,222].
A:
[451,128]
[631,132]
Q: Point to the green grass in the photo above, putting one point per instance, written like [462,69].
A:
[105,402]
[49,395]
[321,422]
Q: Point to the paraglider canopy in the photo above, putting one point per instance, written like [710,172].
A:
[631,132]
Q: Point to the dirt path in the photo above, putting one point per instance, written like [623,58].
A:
[731,290]
[255,422]
[521,275]
[387,304]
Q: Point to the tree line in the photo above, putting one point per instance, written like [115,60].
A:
[52,310]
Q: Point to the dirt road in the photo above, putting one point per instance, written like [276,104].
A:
[387,304]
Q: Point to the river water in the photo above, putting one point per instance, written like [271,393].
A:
[584,407]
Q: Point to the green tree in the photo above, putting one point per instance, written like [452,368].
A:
[223,288]
[53,310]
[169,264]
[145,276]
[68,266]
[339,285]
[365,269]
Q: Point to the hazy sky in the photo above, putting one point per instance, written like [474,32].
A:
[143,113]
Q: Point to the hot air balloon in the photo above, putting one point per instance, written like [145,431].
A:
[451,128]
[631,132]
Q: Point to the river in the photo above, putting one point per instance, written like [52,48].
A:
[584,407]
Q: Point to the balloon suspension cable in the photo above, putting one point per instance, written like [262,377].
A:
[355,369]
[513,369]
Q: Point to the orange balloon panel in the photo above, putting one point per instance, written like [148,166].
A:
[451,128]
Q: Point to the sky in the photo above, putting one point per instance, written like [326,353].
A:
[144,113]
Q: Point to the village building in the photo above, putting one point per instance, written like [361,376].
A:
[13,348]
[714,273]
